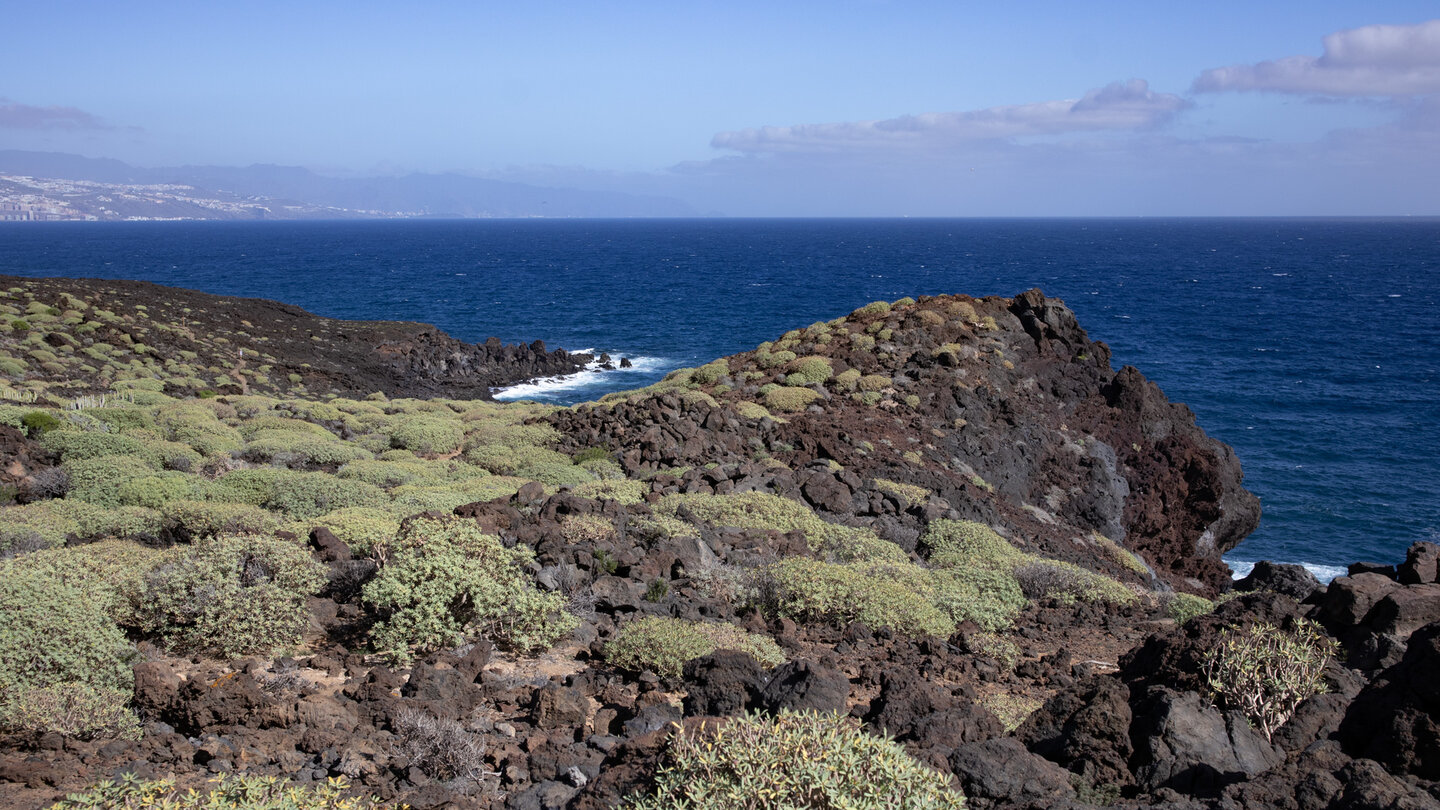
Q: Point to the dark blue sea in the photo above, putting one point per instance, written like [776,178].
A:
[1311,346]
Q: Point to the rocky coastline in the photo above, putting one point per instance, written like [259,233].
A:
[948,522]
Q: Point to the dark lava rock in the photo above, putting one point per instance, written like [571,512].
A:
[557,706]
[722,683]
[1184,743]
[1086,729]
[1350,599]
[801,685]
[1422,564]
[1000,772]
[1295,581]
[1396,719]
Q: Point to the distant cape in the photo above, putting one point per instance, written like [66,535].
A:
[429,195]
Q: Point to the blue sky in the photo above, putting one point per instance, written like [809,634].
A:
[771,109]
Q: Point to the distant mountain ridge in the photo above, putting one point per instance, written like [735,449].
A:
[431,195]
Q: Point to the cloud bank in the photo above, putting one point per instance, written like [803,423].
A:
[1376,60]
[1121,106]
[14,115]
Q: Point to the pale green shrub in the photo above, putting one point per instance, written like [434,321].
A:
[52,634]
[231,596]
[663,644]
[427,435]
[444,582]
[231,792]
[793,760]
[788,399]
[1266,672]
[361,528]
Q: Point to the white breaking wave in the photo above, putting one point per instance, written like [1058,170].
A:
[592,375]
[1324,573]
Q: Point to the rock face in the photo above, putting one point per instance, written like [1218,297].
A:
[1003,409]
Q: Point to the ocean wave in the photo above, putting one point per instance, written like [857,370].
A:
[1324,573]
[591,377]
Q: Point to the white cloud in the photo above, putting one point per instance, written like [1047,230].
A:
[1377,60]
[1122,106]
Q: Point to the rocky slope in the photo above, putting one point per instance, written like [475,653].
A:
[77,336]
[948,520]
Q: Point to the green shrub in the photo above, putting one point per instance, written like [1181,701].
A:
[506,460]
[38,423]
[627,493]
[769,360]
[231,792]
[908,494]
[663,644]
[712,372]
[361,528]
[93,522]
[556,475]
[873,382]
[1011,710]
[195,519]
[793,760]
[390,473]
[1265,672]
[988,597]
[811,370]
[970,546]
[872,308]
[895,596]
[52,634]
[293,447]
[427,436]
[443,582]
[196,425]
[1002,650]
[231,596]
[32,526]
[72,709]
[110,573]
[73,445]
[298,494]
[20,325]
[758,510]
[1182,607]
[603,468]
[789,399]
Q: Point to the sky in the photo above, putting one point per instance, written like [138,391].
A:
[837,108]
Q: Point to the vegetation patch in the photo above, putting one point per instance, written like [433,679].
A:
[793,760]
[663,645]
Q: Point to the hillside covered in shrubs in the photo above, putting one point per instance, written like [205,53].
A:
[932,553]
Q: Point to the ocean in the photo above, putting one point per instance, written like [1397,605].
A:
[1312,346]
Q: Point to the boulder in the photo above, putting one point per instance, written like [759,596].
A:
[1422,564]
[801,685]
[1295,581]
[556,706]
[1184,743]
[1396,719]
[1086,729]
[1350,599]
[1002,772]
[722,683]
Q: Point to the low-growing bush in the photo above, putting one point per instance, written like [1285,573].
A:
[789,399]
[793,760]
[562,474]
[960,545]
[1011,710]
[52,633]
[73,709]
[110,573]
[811,370]
[1182,607]
[899,596]
[759,510]
[32,526]
[663,644]
[990,598]
[1265,671]
[298,494]
[428,436]
[442,748]
[39,423]
[302,449]
[628,493]
[231,792]
[100,480]
[231,596]
[506,460]
[190,520]
[361,528]
[195,424]
[443,582]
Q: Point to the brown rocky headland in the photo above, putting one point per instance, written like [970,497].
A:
[940,545]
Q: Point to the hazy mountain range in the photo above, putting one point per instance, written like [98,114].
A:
[298,192]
